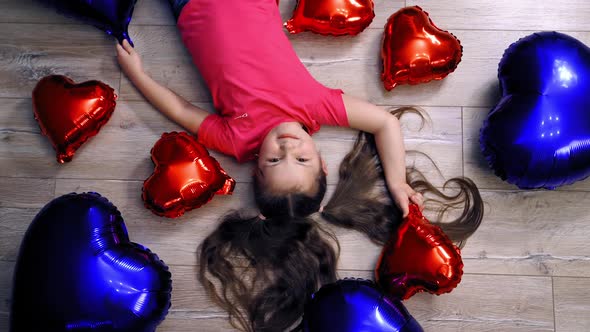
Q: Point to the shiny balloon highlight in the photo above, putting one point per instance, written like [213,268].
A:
[185,176]
[414,50]
[111,16]
[353,305]
[69,113]
[78,271]
[331,17]
[420,257]
[538,135]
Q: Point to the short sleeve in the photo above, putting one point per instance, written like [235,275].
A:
[214,134]
[330,109]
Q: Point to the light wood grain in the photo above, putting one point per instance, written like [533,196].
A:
[350,63]
[30,11]
[32,51]
[507,14]
[513,239]
[157,12]
[6,278]
[524,304]
[483,303]
[121,150]
[20,192]
[532,233]
[13,225]
[571,304]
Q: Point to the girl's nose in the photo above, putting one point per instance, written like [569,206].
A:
[287,144]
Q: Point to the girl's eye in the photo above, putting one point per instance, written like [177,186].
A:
[302,160]
[273,160]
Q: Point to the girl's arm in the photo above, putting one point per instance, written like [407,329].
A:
[385,127]
[166,101]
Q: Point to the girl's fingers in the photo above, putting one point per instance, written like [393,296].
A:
[418,199]
[404,205]
[127,46]
[120,49]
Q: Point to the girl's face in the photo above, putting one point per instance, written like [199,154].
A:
[288,160]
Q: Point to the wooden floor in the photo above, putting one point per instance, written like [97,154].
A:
[526,269]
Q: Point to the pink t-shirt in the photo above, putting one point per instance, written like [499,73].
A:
[255,77]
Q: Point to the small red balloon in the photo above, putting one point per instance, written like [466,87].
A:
[416,51]
[185,176]
[69,113]
[419,258]
[331,17]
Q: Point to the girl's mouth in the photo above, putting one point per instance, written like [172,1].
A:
[288,136]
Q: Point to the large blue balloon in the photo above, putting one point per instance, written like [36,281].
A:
[78,271]
[111,16]
[354,305]
[538,135]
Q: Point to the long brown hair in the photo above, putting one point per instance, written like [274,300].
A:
[267,268]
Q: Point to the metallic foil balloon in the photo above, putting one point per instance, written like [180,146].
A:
[353,305]
[111,16]
[538,135]
[185,176]
[69,114]
[415,51]
[78,271]
[419,258]
[331,17]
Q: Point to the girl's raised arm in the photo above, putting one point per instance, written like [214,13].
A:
[165,100]
[370,118]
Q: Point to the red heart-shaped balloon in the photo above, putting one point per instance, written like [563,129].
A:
[416,51]
[69,113]
[185,176]
[419,258]
[331,17]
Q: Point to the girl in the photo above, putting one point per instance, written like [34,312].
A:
[269,106]
[269,103]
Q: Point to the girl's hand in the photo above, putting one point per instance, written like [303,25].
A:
[403,195]
[129,59]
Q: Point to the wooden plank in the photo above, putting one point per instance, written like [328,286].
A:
[522,233]
[32,51]
[187,232]
[13,225]
[350,63]
[4,321]
[524,304]
[6,275]
[152,12]
[532,233]
[158,12]
[21,192]
[182,321]
[476,166]
[571,304]
[30,11]
[521,303]
[507,15]
[24,152]
[121,150]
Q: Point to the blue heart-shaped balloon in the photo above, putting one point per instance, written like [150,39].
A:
[538,135]
[111,16]
[78,271]
[355,305]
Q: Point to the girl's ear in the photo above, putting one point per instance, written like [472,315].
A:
[324,166]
